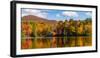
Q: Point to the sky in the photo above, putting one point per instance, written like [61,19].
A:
[58,15]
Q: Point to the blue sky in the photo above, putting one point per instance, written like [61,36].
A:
[57,14]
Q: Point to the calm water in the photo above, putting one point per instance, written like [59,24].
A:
[55,42]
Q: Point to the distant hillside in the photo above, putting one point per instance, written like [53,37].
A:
[38,19]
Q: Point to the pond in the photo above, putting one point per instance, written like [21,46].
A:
[54,42]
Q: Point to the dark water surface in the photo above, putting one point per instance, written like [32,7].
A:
[54,42]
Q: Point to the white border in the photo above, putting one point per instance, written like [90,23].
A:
[51,50]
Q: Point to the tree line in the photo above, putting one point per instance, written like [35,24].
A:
[61,28]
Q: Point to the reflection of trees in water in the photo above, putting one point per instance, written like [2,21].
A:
[54,42]
[60,42]
[78,41]
[42,43]
[26,43]
[87,41]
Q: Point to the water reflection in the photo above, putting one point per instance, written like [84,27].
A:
[55,42]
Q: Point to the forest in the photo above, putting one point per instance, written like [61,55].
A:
[59,29]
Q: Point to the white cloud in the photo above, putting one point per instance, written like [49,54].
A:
[70,13]
[57,15]
[38,13]
[23,14]
[89,13]
[42,15]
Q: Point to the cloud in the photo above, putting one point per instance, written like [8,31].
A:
[58,15]
[24,14]
[89,13]
[38,13]
[70,14]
